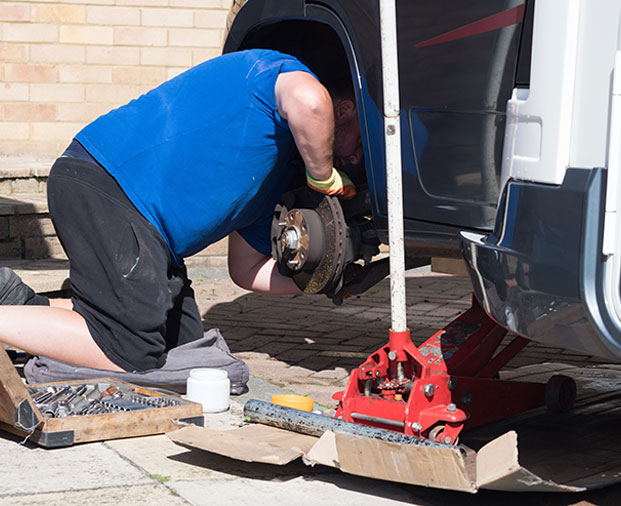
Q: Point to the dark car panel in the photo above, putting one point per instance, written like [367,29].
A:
[455,93]
[535,261]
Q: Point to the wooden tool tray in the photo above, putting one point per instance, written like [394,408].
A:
[141,411]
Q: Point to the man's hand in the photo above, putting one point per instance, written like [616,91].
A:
[337,185]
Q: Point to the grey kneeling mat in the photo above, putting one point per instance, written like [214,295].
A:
[209,351]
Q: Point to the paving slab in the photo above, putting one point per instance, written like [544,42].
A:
[330,489]
[159,456]
[108,496]
[27,469]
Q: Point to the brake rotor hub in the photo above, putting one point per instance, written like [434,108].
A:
[302,241]
[311,243]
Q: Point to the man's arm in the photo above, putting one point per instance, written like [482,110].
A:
[307,107]
[306,104]
[254,271]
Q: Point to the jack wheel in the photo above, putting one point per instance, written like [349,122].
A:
[436,433]
[560,393]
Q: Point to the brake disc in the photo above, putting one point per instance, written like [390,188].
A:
[310,243]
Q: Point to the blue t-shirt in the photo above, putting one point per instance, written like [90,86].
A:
[205,153]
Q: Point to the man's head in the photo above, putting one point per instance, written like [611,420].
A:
[347,138]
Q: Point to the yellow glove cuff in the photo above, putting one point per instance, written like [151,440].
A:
[335,182]
[338,184]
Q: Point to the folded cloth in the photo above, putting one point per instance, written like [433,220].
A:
[209,351]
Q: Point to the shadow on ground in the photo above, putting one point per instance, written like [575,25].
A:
[310,331]
[604,497]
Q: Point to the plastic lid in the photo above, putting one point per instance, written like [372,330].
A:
[293,401]
[208,374]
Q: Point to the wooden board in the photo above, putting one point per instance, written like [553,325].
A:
[455,266]
[14,398]
[19,414]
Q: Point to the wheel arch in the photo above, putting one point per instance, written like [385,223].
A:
[315,34]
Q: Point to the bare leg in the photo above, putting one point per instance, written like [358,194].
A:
[63,303]
[54,331]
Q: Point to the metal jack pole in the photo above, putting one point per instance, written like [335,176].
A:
[394,185]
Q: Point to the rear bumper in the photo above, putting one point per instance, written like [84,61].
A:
[540,273]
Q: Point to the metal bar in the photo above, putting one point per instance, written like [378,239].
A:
[315,425]
[394,186]
[377,419]
[503,357]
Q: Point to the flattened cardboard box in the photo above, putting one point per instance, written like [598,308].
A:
[537,451]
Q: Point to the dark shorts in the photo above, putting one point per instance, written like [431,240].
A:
[136,303]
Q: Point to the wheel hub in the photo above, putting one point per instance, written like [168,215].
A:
[311,243]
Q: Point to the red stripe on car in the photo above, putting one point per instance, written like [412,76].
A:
[488,24]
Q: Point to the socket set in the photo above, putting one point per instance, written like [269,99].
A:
[63,413]
[95,398]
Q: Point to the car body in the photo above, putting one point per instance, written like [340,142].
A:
[509,143]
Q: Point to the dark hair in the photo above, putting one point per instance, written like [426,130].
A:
[340,88]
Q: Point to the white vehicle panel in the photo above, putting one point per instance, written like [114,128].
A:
[597,46]
[538,131]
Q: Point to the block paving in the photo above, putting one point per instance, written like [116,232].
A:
[308,345]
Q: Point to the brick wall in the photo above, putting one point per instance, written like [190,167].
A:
[65,62]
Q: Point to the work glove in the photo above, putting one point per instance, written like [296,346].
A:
[337,185]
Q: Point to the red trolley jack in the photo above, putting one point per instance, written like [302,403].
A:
[448,383]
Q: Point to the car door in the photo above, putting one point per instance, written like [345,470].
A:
[457,63]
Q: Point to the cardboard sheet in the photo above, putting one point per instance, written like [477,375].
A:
[416,465]
[251,443]
[498,468]
[536,451]
[324,451]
